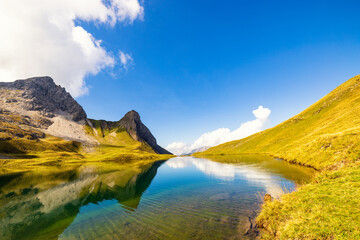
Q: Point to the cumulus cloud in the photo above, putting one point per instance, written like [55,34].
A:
[42,38]
[178,148]
[125,59]
[223,135]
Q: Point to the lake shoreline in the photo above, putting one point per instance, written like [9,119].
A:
[277,213]
[185,196]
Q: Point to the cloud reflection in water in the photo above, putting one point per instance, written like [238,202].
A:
[229,172]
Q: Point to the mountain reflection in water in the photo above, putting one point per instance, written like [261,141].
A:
[42,204]
[185,198]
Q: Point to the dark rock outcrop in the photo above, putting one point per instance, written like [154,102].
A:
[47,97]
[138,131]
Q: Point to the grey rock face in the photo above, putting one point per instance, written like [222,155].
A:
[49,100]
[47,97]
[138,131]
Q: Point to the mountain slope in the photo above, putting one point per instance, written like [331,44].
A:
[132,124]
[43,95]
[39,118]
[325,134]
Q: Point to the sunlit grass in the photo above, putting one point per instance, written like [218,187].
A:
[322,135]
[327,208]
[24,154]
[326,136]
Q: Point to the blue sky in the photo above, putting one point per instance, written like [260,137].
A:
[203,65]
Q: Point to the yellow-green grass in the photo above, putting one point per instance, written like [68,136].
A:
[117,145]
[327,208]
[9,130]
[326,136]
[22,153]
[326,133]
[24,162]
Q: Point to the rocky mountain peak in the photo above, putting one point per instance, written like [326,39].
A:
[139,132]
[132,116]
[37,106]
[43,95]
[132,124]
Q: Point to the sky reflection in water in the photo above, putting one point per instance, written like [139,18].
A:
[181,198]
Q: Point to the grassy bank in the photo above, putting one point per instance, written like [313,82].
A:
[326,208]
[326,136]
[20,153]
[326,133]
[23,142]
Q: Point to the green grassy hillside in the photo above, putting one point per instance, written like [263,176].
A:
[325,134]
[117,145]
[326,208]
[18,139]
[24,148]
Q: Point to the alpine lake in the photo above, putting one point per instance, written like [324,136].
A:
[181,198]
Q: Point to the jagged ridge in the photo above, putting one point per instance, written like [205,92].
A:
[133,125]
[37,105]
[46,97]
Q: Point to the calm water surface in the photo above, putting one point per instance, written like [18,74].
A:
[182,198]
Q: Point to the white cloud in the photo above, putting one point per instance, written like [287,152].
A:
[178,148]
[41,38]
[223,135]
[125,60]
[211,138]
